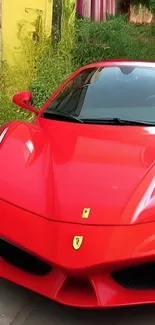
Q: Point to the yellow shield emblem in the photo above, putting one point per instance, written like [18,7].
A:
[85,213]
[77,242]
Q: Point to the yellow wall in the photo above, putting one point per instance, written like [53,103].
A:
[20,19]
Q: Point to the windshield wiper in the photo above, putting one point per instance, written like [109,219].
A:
[114,121]
[61,115]
[132,122]
[118,121]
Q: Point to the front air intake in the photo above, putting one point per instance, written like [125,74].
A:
[78,292]
[136,277]
[23,260]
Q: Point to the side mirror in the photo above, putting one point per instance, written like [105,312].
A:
[24,100]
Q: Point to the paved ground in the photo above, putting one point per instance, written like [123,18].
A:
[21,307]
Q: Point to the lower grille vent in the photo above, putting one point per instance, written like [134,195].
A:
[23,260]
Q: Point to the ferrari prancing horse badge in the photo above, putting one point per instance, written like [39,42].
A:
[77,242]
[85,213]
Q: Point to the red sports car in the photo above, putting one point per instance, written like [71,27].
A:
[77,189]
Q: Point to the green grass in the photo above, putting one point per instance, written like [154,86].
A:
[116,38]
[92,41]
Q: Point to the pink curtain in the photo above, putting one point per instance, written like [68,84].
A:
[96,9]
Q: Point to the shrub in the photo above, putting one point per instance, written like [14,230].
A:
[52,68]
[149,4]
[42,69]
[116,38]
[13,79]
[54,65]
[83,43]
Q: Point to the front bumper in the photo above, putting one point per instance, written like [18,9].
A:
[80,278]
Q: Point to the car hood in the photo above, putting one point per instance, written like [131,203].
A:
[57,169]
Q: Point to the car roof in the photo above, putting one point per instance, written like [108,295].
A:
[119,62]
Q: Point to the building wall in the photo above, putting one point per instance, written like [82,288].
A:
[0,13]
[96,9]
[22,19]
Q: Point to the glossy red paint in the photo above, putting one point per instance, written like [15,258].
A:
[23,99]
[63,168]
[52,241]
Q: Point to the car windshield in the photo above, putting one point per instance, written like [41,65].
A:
[115,92]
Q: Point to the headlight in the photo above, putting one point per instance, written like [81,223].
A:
[2,134]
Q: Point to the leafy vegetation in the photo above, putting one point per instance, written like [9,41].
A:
[12,80]
[150,4]
[81,43]
[116,38]
[55,64]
